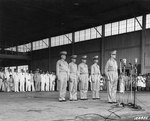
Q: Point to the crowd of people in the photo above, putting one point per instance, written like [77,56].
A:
[75,77]
[26,81]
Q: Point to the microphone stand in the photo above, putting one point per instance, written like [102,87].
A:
[131,72]
[135,67]
[133,105]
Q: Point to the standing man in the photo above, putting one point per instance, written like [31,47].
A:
[28,78]
[1,79]
[95,77]
[16,80]
[32,81]
[62,71]
[83,78]
[73,78]
[53,77]
[22,80]
[47,80]
[50,81]
[37,79]
[43,80]
[111,71]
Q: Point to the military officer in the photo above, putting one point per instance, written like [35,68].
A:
[62,72]
[112,77]
[83,78]
[73,78]
[22,80]
[95,77]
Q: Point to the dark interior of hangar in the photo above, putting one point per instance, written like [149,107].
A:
[27,21]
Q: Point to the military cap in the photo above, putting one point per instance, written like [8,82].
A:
[74,56]
[37,69]
[113,52]
[84,57]
[63,53]
[95,57]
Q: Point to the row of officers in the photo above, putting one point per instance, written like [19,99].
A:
[79,74]
[26,81]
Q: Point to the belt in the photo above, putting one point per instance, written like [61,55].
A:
[96,74]
[63,71]
[73,73]
[112,70]
[83,73]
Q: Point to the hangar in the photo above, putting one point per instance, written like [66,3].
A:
[33,32]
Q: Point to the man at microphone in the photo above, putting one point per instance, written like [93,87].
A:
[111,71]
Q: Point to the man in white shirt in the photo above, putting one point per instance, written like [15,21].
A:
[22,80]
[32,81]
[53,78]
[47,79]
[27,78]
[43,81]
[16,80]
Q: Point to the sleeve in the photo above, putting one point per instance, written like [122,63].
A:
[68,70]
[57,68]
[79,70]
[92,70]
[106,68]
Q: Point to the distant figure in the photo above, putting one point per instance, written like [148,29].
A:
[32,81]
[10,83]
[16,80]
[43,81]
[37,79]
[22,80]
[47,80]
[112,77]
[53,79]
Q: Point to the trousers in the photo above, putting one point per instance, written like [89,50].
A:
[83,86]
[63,85]
[112,86]
[73,87]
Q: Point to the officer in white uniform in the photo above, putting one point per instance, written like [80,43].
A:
[27,79]
[62,71]
[83,78]
[1,78]
[111,71]
[53,78]
[43,81]
[73,80]
[22,80]
[50,82]
[95,77]
[47,80]
[16,80]
[32,81]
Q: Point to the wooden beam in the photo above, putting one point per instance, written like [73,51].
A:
[16,57]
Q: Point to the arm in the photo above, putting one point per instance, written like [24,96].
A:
[106,69]
[57,70]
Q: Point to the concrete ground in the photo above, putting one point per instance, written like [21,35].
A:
[44,106]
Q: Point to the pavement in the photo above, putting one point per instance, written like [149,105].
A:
[44,106]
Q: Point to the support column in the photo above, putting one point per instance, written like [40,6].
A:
[143,37]
[102,51]
[73,41]
[31,62]
[49,56]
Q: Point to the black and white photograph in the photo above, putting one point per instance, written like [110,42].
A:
[74,60]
